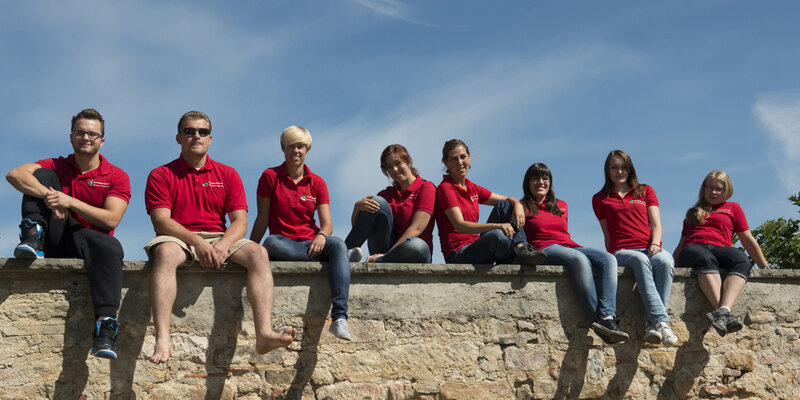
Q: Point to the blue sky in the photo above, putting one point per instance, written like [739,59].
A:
[684,87]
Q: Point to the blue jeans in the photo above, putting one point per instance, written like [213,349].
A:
[281,248]
[378,230]
[598,296]
[653,278]
[492,246]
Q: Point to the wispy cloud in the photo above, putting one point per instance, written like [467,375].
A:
[779,114]
[392,9]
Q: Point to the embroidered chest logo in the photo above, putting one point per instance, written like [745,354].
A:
[721,210]
[213,184]
[474,197]
[308,197]
[637,202]
[97,184]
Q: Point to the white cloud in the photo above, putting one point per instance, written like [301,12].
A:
[779,114]
[392,9]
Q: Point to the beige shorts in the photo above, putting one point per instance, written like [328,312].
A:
[191,256]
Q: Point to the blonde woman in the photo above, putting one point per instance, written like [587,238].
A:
[705,247]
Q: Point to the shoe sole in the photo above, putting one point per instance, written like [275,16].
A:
[105,353]
[736,327]
[722,331]
[652,338]
[26,252]
[614,335]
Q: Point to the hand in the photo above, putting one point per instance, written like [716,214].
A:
[60,213]
[220,253]
[653,249]
[206,253]
[519,215]
[508,230]
[57,200]
[316,246]
[368,205]
[373,258]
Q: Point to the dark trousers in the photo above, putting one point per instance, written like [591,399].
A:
[101,252]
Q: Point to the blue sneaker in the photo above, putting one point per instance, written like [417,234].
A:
[31,235]
[105,335]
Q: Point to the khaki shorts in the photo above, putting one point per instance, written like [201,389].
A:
[191,256]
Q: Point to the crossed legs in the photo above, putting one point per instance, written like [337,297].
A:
[167,257]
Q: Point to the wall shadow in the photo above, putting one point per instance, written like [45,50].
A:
[572,372]
[316,313]
[78,326]
[134,317]
[692,357]
[228,315]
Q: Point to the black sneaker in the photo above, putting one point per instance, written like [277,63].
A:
[608,330]
[31,235]
[105,334]
[528,255]
[719,320]
[732,324]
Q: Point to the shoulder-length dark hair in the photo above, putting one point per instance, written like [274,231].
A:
[401,153]
[535,171]
[608,187]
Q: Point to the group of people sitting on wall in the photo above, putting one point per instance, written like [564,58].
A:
[72,205]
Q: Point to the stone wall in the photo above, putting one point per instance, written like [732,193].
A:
[420,332]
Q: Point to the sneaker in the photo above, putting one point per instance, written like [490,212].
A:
[528,255]
[340,330]
[668,337]
[105,334]
[732,324]
[608,330]
[652,335]
[31,235]
[354,254]
[719,321]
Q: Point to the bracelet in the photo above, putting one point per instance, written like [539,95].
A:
[323,235]
[655,244]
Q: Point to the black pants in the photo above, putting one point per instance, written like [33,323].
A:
[101,252]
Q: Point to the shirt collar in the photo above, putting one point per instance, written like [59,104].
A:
[182,165]
[281,170]
[102,168]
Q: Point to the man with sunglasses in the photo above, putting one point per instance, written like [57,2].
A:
[188,200]
[70,208]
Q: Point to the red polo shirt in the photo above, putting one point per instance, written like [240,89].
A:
[722,222]
[292,206]
[626,217]
[91,187]
[419,196]
[449,195]
[198,199]
[546,228]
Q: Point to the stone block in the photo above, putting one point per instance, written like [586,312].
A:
[491,390]
[739,360]
[527,359]
[348,390]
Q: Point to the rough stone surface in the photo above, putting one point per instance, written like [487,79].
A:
[419,332]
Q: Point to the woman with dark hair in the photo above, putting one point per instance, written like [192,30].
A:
[705,247]
[396,223]
[629,216]
[462,237]
[546,219]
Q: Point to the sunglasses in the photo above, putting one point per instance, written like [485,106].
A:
[190,131]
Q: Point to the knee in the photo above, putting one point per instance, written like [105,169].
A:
[167,256]
[381,201]
[252,256]
[47,177]
[420,249]
[335,245]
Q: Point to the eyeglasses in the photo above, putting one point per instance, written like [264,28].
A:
[89,134]
[542,179]
[190,131]
[715,189]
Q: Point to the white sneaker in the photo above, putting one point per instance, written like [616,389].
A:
[652,335]
[668,337]
[354,254]
[340,330]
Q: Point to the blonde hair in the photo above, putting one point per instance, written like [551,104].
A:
[697,215]
[295,134]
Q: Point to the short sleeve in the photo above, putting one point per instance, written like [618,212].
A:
[650,196]
[120,186]
[266,184]
[321,191]
[235,198]
[157,191]
[446,196]
[597,206]
[426,198]
[739,220]
[483,194]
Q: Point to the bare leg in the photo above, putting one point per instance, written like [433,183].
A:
[163,287]
[731,289]
[711,285]
[259,294]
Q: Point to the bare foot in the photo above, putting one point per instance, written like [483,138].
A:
[273,340]
[161,352]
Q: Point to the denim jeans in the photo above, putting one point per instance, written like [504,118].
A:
[492,246]
[281,248]
[653,278]
[598,296]
[378,230]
